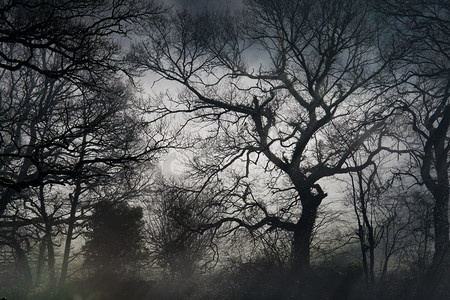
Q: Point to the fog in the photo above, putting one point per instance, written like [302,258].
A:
[256,149]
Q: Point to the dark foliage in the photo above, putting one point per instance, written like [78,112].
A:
[115,242]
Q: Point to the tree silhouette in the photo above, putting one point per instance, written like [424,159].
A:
[54,59]
[297,114]
[80,35]
[115,241]
[174,243]
[421,91]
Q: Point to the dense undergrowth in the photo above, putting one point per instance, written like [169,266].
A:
[249,281]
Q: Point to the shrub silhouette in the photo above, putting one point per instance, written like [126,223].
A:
[115,243]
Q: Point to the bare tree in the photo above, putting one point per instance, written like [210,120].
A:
[422,93]
[81,35]
[63,52]
[366,192]
[46,145]
[175,245]
[60,141]
[296,114]
[417,251]
[15,234]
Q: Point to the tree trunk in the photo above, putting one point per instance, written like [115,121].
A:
[436,279]
[358,202]
[302,239]
[385,267]
[24,267]
[439,187]
[50,253]
[441,228]
[362,243]
[436,152]
[70,227]
[74,200]
[40,261]
[48,235]
[372,246]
